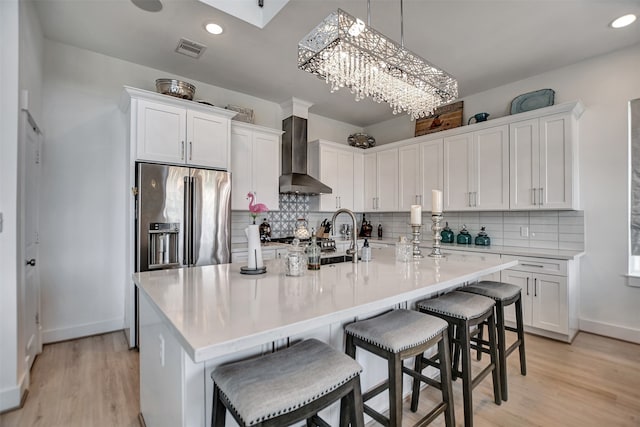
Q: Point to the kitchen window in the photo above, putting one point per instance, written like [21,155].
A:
[634,187]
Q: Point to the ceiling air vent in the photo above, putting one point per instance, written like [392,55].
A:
[190,48]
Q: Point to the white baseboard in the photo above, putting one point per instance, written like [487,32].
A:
[609,330]
[11,398]
[79,331]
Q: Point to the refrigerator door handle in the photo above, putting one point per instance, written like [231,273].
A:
[192,210]
[187,224]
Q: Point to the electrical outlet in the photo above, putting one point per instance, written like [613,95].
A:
[524,231]
[161,339]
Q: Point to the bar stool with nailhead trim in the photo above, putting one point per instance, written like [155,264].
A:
[398,335]
[504,294]
[464,311]
[288,386]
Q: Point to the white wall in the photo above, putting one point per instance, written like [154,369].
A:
[84,191]
[9,56]
[605,85]
[320,127]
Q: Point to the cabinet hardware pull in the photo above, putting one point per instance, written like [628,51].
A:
[527,286]
[532,265]
[181,150]
[190,150]
[475,199]
[535,287]
[469,196]
[533,194]
[540,197]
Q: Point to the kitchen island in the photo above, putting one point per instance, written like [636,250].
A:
[194,319]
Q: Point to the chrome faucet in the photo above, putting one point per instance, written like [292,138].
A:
[353,250]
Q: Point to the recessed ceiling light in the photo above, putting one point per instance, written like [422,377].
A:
[213,28]
[623,21]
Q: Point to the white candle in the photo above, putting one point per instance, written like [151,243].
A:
[416,215]
[436,201]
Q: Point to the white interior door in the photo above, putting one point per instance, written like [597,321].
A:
[30,294]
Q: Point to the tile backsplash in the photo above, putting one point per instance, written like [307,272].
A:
[535,229]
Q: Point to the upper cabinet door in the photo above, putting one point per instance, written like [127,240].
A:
[344,161]
[329,176]
[458,172]
[556,189]
[543,163]
[241,167]
[370,185]
[387,180]
[524,174]
[160,132]
[266,168]
[410,184]
[431,170]
[491,166]
[207,140]
[255,166]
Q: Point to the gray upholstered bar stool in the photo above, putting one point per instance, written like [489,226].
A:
[464,311]
[398,335]
[288,386]
[504,294]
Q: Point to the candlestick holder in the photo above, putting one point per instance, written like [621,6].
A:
[436,228]
[415,230]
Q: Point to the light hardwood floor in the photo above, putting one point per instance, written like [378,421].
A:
[593,382]
[90,382]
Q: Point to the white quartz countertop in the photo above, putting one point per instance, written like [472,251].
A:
[215,310]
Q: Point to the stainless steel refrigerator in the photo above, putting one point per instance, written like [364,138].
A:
[183,219]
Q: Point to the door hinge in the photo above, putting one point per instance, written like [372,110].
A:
[134,191]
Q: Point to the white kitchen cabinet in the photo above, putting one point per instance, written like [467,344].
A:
[170,130]
[333,165]
[476,170]
[549,296]
[381,180]
[255,165]
[543,161]
[419,172]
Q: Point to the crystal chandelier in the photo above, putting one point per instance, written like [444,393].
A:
[346,52]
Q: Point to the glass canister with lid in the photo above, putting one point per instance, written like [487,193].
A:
[295,262]
[404,250]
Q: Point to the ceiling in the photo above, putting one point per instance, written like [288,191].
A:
[483,43]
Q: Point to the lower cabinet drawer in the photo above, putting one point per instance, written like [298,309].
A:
[539,265]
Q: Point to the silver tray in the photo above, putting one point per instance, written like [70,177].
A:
[532,101]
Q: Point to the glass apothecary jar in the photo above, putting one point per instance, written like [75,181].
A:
[404,250]
[295,262]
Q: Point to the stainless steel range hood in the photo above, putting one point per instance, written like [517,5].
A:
[294,178]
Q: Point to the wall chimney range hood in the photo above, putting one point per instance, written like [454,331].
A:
[294,178]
